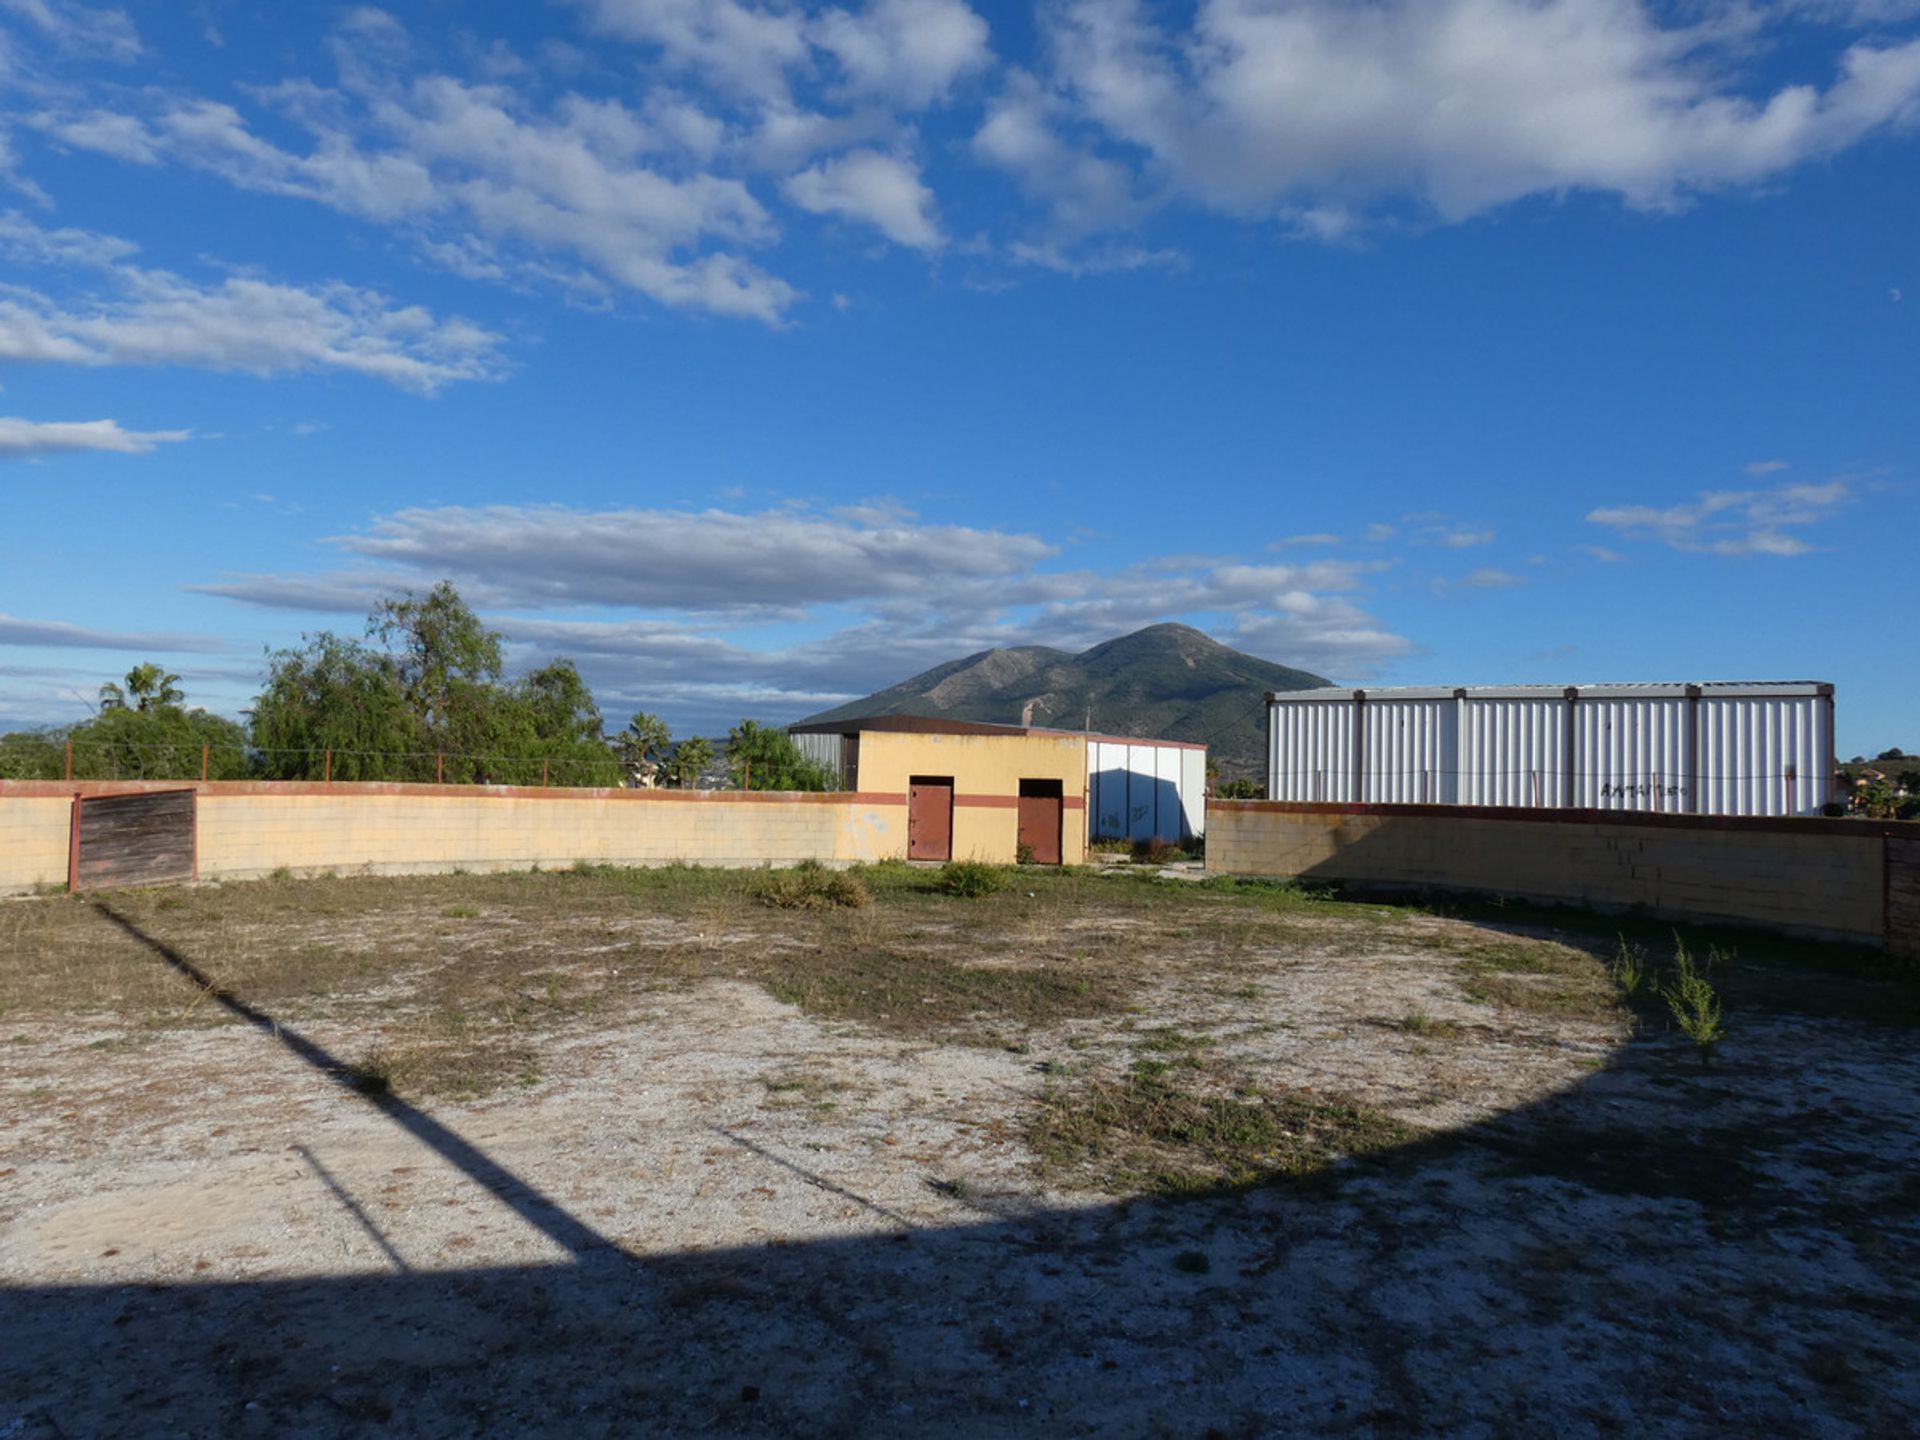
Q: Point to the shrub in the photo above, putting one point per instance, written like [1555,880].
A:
[969,878]
[1630,970]
[1693,1001]
[811,886]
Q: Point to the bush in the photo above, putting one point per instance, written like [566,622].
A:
[1695,1005]
[811,886]
[969,878]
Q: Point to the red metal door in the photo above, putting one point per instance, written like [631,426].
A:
[1041,809]
[930,817]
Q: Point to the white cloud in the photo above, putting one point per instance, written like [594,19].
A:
[908,51]
[154,317]
[1601,553]
[60,634]
[1490,577]
[863,595]
[483,179]
[1022,134]
[714,560]
[1759,468]
[742,47]
[103,33]
[25,438]
[1315,107]
[883,190]
[1731,522]
[1318,538]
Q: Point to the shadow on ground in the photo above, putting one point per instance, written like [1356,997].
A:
[1661,1250]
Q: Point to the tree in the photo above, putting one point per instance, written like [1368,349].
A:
[642,747]
[147,686]
[1896,753]
[425,698]
[159,742]
[691,759]
[767,759]
[560,732]
[33,755]
[337,694]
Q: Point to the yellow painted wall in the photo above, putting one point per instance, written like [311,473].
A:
[404,834]
[984,765]
[34,834]
[1818,882]
[254,829]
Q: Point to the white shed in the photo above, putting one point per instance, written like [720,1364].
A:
[1721,748]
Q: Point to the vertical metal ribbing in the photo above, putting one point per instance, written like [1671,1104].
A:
[1692,778]
[1356,790]
[1572,756]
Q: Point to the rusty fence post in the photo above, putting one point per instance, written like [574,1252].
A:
[328,778]
[205,752]
[546,770]
[439,767]
[69,759]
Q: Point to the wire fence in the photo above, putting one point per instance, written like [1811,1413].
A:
[53,758]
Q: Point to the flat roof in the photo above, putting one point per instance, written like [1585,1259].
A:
[941,725]
[1615,690]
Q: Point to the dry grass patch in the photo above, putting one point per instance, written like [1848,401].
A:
[1173,1130]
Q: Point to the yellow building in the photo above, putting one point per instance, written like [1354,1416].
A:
[998,793]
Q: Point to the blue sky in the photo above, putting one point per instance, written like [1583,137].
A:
[757,355]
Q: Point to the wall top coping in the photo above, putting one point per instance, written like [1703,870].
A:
[1634,819]
[346,789]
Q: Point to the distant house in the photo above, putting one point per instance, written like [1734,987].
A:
[1006,792]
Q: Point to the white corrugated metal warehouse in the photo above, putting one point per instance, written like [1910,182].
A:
[1723,748]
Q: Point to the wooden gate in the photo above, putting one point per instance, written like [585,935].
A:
[1041,808]
[930,817]
[142,839]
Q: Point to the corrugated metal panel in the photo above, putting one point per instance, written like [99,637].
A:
[1408,750]
[1512,749]
[1169,823]
[1145,791]
[1107,790]
[1730,748]
[1310,755]
[823,750]
[1193,793]
[1142,797]
[1631,754]
[1765,754]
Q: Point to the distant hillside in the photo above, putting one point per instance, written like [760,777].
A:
[1167,682]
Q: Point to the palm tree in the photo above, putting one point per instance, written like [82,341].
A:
[147,686]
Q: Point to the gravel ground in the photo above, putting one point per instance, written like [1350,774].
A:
[715,1213]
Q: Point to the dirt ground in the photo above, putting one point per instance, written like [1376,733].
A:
[1087,1156]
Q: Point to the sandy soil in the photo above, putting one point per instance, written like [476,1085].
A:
[715,1214]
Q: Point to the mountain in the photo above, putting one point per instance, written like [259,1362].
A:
[1166,682]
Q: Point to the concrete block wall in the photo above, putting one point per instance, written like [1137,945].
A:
[1903,898]
[251,829]
[34,836]
[1828,878]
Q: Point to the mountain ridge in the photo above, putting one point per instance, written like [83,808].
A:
[1163,682]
